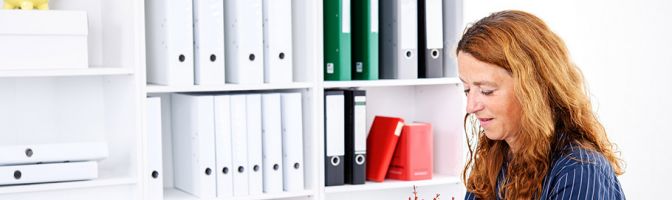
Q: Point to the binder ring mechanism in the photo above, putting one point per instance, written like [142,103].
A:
[359,159]
[335,160]
[435,53]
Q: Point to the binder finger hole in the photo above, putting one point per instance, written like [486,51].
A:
[335,160]
[17,174]
[435,53]
[255,168]
[213,57]
[251,57]
[155,174]
[360,159]
[281,56]
[409,54]
[181,58]
[276,167]
[208,171]
[29,152]
[241,169]
[225,170]
[296,165]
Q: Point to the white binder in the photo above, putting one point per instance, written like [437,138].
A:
[57,152]
[193,127]
[334,138]
[239,148]
[292,142]
[278,52]
[223,160]
[50,172]
[208,42]
[154,173]
[272,143]
[399,39]
[169,42]
[254,158]
[244,41]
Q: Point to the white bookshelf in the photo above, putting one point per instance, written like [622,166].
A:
[155,89]
[107,71]
[174,194]
[438,179]
[98,103]
[392,82]
[106,102]
[99,182]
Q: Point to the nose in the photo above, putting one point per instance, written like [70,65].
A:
[474,104]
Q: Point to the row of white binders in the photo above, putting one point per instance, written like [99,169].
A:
[235,144]
[213,42]
[54,162]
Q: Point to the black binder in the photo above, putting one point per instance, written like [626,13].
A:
[355,136]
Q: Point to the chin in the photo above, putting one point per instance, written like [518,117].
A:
[493,135]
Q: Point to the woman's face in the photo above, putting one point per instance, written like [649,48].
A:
[490,96]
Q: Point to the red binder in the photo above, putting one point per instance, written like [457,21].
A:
[380,146]
[413,157]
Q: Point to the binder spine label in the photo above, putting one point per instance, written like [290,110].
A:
[345,16]
[374,16]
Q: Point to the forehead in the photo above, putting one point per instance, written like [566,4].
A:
[472,70]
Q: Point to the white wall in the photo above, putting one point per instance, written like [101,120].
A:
[625,51]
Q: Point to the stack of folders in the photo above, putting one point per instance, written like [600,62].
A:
[345,137]
[213,42]
[399,151]
[43,163]
[237,144]
[408,46]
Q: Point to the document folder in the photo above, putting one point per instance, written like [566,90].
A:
[337,40]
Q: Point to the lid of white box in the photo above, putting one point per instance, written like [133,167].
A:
[43,22]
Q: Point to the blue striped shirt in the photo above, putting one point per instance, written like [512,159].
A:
[580,174]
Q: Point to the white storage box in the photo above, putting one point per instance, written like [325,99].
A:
[43,39]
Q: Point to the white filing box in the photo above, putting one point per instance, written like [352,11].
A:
[43,39]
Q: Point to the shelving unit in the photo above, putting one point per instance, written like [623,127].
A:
[98,103]
[228,87]
[105,102]
[393,184]
[391,83]
[108,71]
[173,194]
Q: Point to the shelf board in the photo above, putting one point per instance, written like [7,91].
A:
[391,82]
[99,182]
[175,194]
[97,71]
[393,184]
[151,88]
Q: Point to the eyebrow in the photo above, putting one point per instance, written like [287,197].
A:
[479,83]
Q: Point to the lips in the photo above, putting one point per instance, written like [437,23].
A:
[485,121]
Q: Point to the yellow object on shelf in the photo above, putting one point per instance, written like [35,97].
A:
[27,4]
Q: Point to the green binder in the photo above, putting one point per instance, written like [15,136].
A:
[365,39]
[337,40]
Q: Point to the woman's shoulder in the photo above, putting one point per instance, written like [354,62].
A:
[576,156]
[581,173]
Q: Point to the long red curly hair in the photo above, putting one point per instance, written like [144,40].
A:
[553,98]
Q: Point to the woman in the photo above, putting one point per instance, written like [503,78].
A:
[537,137]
